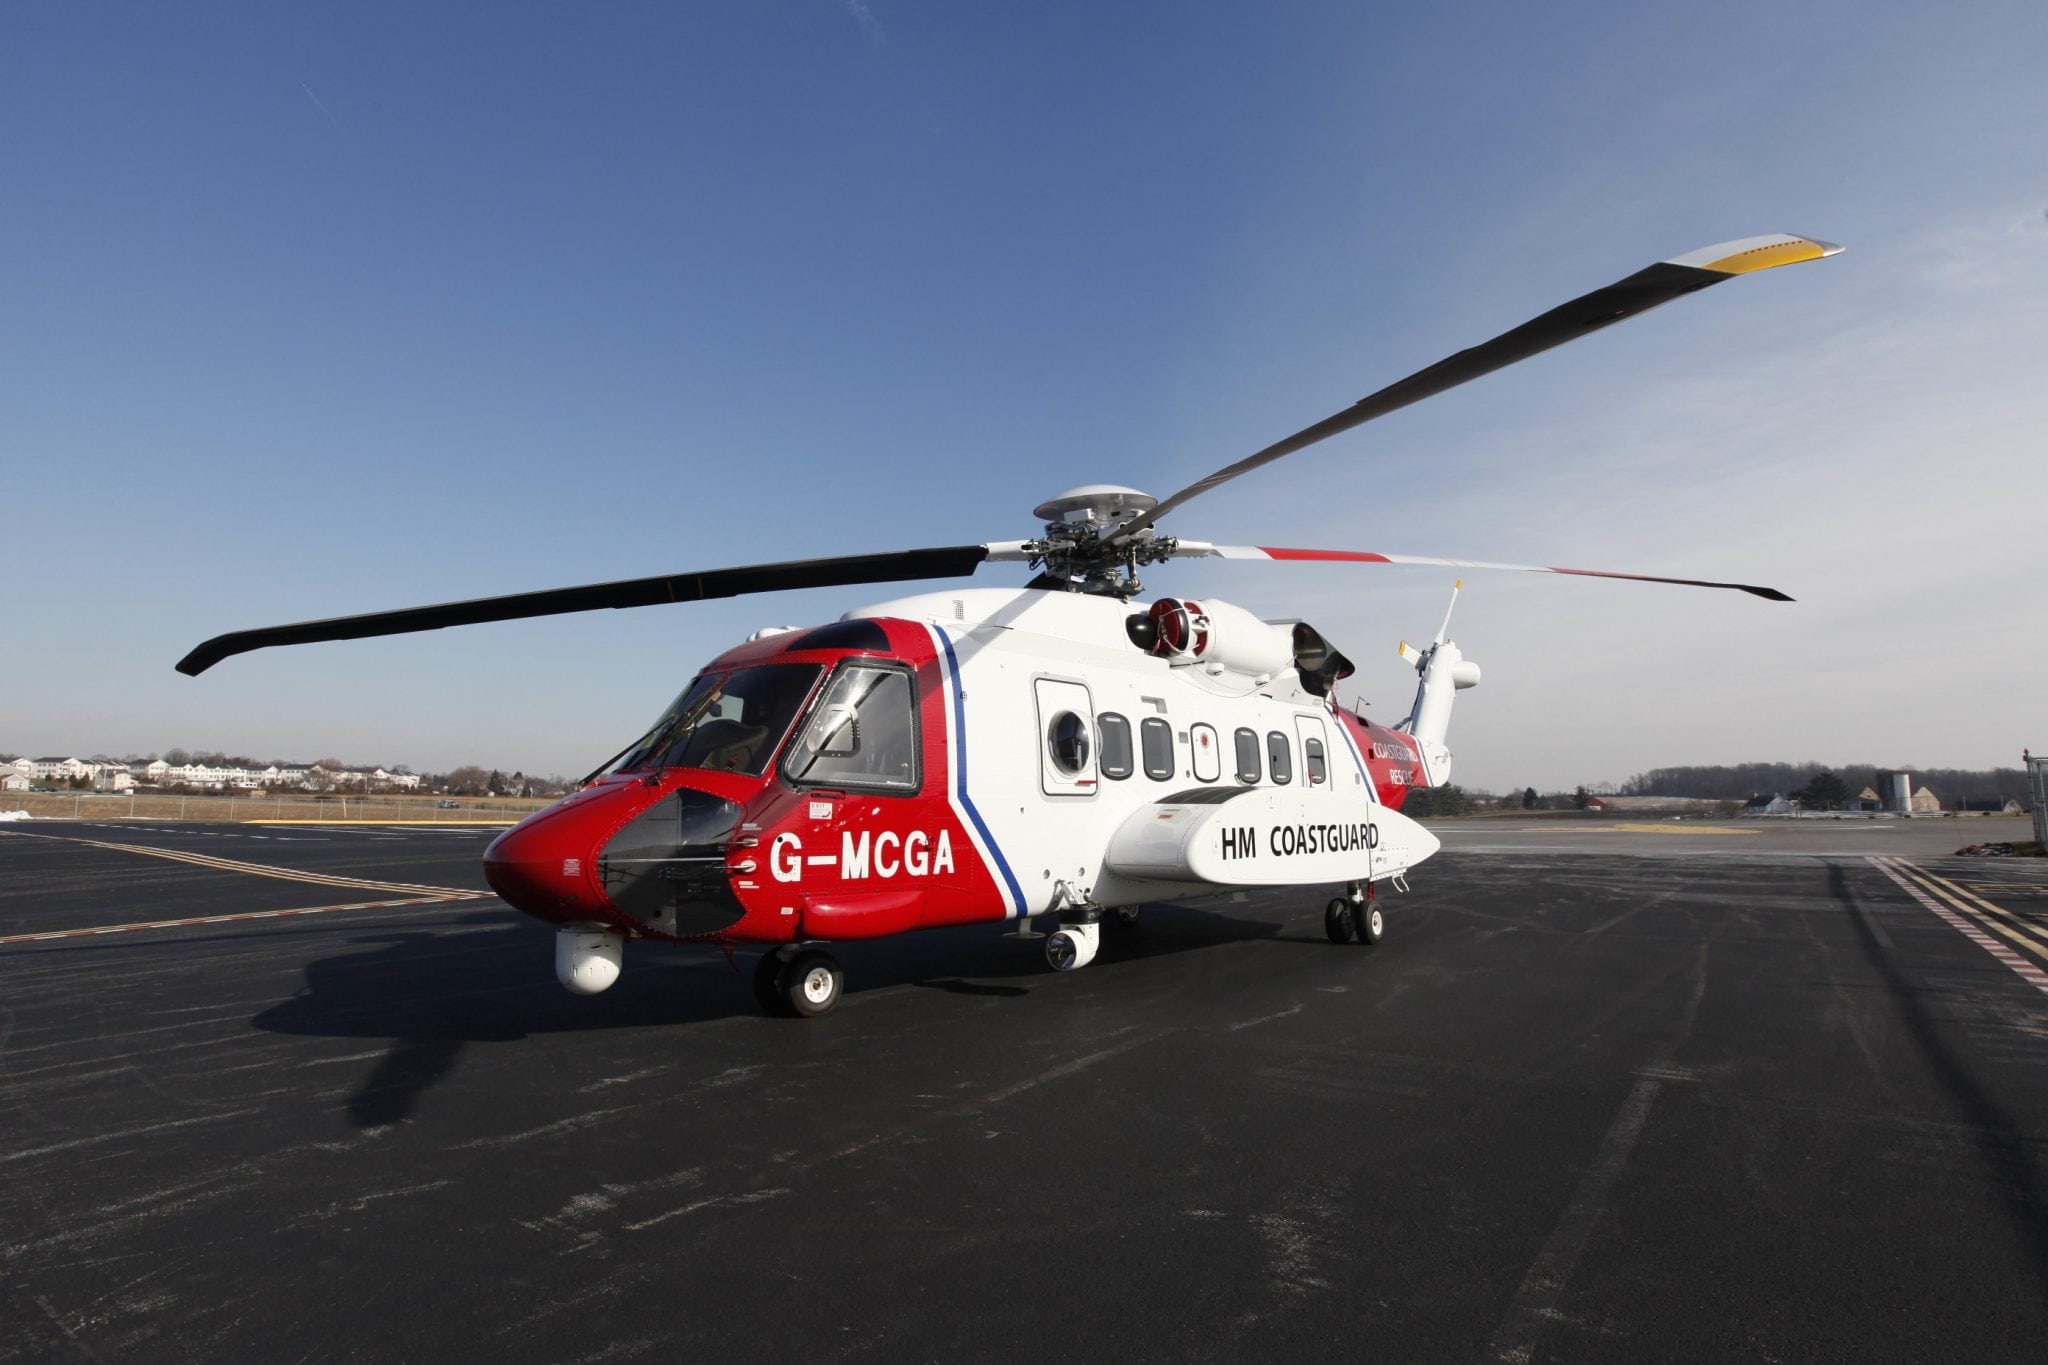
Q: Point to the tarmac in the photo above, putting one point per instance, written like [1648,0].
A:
[1607,1091]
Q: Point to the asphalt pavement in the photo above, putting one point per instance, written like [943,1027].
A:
[1615,1095]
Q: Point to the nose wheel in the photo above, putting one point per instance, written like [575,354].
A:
[807,983]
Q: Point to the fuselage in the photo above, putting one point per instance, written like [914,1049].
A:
[958,757]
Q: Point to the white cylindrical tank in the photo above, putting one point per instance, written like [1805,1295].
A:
[587,960]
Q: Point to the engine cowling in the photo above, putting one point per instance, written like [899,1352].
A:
[1220,635]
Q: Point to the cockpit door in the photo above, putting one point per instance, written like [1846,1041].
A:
[1066,738]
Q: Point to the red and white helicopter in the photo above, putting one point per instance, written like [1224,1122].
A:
[1059,753]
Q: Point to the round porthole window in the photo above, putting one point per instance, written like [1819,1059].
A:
[1067,739]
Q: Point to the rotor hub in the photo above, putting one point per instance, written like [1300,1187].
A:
[1098,504]
[1074,551]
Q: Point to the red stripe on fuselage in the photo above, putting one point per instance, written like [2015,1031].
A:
[1391,759]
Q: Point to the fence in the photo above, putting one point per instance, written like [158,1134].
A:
[2037,784]
[254,806]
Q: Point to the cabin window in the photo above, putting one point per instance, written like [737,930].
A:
[1279,758]
[1312,759]
[1067,740]
[1156,738]
[1248,769]
[1115,734]
[862,733]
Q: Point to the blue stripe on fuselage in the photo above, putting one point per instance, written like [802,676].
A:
[960,771]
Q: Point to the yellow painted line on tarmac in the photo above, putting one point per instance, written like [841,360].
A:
[1676,828]
[256,869]
[1996,918]
[139,925]
[1968,925]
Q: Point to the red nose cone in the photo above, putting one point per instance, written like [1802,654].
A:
[546,864]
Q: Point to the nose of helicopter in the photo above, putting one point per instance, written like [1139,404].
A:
[636,857]
[546,864]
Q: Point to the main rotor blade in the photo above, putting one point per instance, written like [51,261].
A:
[951,561]
[1640,292]
[1195,549]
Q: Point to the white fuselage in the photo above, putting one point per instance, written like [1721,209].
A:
[1053,816]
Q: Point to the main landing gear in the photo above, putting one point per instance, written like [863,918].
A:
[1355,916]
[800,981]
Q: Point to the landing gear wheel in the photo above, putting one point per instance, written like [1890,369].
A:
[767,984]
[1338,921]
[1124,919]
[1371,928]
[809,985]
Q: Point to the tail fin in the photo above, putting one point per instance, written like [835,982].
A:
[1444,672]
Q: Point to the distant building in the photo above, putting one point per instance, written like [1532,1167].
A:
[13,779]
[1988,805]
[1895,792]
[1925,802]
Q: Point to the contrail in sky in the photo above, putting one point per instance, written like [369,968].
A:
[318,105]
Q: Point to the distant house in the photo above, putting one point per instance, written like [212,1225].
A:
[1925,802]
[1771,804]
[13,779]
[1989,805]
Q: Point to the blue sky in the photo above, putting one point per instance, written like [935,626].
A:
[313,310]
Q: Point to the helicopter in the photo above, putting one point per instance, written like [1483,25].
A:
[1055,754]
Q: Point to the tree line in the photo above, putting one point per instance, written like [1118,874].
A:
[1739,781]
[1815,785]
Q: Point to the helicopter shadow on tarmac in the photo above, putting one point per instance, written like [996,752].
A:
[434,993]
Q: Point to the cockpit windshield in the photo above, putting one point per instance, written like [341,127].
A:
[730,724]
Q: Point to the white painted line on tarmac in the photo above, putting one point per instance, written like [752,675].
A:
[1535,1302]
[2027,971]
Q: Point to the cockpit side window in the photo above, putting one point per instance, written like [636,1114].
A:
[861,733]
[729,724]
